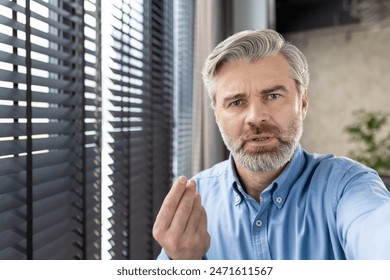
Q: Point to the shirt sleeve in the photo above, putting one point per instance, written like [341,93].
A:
[163,255]
[363,215]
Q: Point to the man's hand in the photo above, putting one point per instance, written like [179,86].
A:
[181,224]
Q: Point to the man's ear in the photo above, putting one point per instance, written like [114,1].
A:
[304,103]
[215,115]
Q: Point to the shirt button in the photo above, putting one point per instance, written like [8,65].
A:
[259,223]
[237,199]
[279,199]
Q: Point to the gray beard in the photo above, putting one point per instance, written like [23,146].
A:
[265,159]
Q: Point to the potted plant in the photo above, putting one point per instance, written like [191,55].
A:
[371,132]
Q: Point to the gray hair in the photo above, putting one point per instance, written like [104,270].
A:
[252,45]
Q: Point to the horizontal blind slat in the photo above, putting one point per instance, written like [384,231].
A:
[12,94]
[61,127]
[41,113]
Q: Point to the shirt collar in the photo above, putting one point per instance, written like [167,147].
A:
[235,183]
[280,187]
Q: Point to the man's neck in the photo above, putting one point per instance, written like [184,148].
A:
[254,183]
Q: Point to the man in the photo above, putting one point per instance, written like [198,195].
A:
[271,199]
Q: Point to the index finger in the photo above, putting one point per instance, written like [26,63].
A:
[170,203]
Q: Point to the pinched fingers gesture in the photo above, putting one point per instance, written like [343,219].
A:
[181,224]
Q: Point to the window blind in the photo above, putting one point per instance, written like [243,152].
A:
[142,77]
[50,129]
[183,86]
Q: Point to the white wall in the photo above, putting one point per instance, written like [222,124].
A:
[350,69]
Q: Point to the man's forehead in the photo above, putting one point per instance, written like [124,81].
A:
[265,71]
[276,62]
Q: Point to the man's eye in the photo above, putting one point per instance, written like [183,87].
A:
[273,96]
[236,103]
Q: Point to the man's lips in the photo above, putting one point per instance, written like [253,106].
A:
[259,138]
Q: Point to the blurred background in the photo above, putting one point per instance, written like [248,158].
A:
[102,107]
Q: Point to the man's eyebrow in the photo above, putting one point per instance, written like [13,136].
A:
[233,97]
[272,89]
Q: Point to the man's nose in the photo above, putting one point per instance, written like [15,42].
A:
[257,113]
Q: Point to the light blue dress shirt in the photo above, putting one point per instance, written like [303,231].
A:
[319,207]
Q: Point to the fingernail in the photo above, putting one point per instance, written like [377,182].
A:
[182,179]
[191,182]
